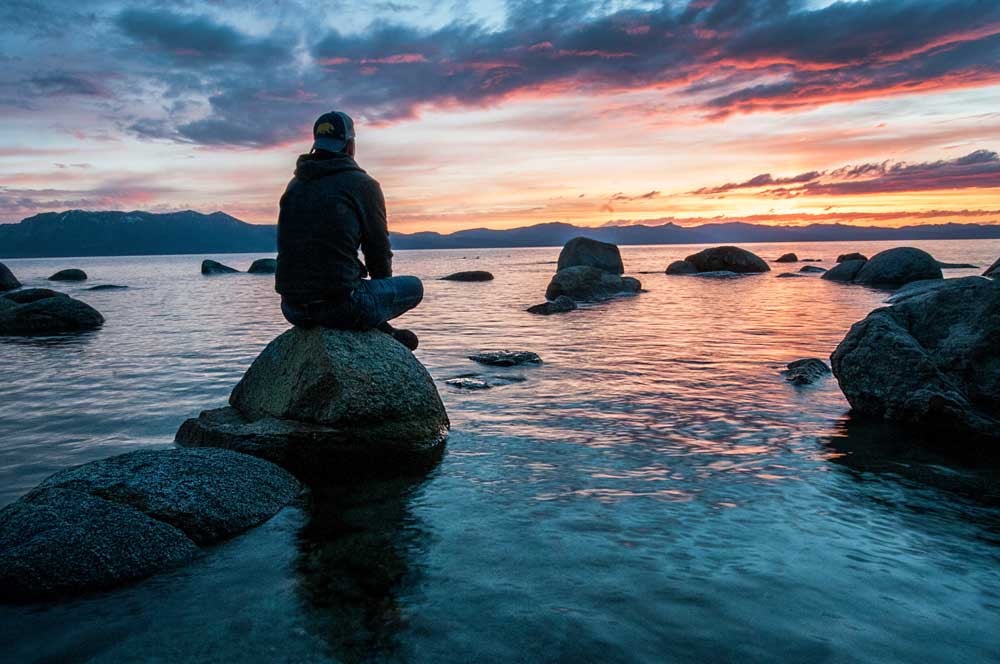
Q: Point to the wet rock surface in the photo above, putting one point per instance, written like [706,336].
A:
[560,305]
[812,269]
[120,519]
[469,275]
[475,381]
[896,267]
[930,360]
[845,271]
[787,258]
[853,256]
[107,287]
[727,259]
[44,312]
[210,267]
[590,284]
[71,274]
[807,371]
[681,267]
[993,270]
[506,358]
[264,266]
[7,279]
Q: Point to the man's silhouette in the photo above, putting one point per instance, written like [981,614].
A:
[329,211]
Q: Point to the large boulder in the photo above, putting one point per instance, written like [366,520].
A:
[7,279]
[263,266]
[993,270]
[582,251]
[896,267]
[586,284]
[931,360]
[727,259]
[116,520]
[787,258]
[48,314]
[326,402]
[71,274]
[469,275]
[210,267]
[844,271]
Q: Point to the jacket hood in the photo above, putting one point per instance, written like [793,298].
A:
[309,167]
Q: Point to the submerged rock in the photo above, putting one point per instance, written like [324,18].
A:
[585,284]
[28,295]
[72,274]
[7,279]
[469,275]
[506,358]
[262,266]
[48,314]
[560,305]
[786,275]
[899,266]
[993,270]
[957,266]
[720,274]
[481,382]
[582,251]
[324,402]
[844,271]
[107,287]
[727,259]
[210,267]
[854,256]
[681,267]
[807,371]
[812,269]
[787,258]
[929,360]
[120,519]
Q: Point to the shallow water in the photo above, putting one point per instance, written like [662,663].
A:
[655,491]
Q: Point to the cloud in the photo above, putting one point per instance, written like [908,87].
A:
[64,84]
[759,181]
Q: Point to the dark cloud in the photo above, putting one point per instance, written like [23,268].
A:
[979,169]
[65,85]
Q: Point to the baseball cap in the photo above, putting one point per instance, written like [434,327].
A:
[332,131]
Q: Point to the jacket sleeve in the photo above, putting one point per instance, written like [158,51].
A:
[375,236]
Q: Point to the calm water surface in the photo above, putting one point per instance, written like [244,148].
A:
[654,492]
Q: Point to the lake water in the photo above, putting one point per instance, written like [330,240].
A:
[654,492]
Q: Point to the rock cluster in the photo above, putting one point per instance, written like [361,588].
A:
[469,275]
[41,311]
[931,360]
[891,268]
[120,519]
[324,403]
[210,267]
[726,260]
[587,271]
[7,279]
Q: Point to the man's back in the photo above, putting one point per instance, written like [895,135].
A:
[330,209]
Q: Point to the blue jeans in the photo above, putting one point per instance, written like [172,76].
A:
[372,303]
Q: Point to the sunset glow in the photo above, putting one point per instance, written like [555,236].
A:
[791,112]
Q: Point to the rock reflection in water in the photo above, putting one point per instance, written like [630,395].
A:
[359,546]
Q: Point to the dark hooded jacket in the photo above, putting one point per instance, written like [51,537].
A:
[330,209]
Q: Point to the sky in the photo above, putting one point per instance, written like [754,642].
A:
[503,114]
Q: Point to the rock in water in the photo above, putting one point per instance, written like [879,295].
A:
[813,269]
[71,274]
[29,295]
[260,266]
[854,256]
[120,519]
[560,305]
[957,266]
[899,266]
[506,358]
[681,267]
[589,284]
[993,270]
[47,315]
[844,271]
[582,251]
[727,259]
[469,275]
[7,279]
[107,287]
[807,371]
[929,360]
[324,403]
[213,267]
[787,258]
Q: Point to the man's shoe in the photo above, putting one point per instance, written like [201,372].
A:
[405,337]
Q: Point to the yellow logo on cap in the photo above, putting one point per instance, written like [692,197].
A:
[324,129]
